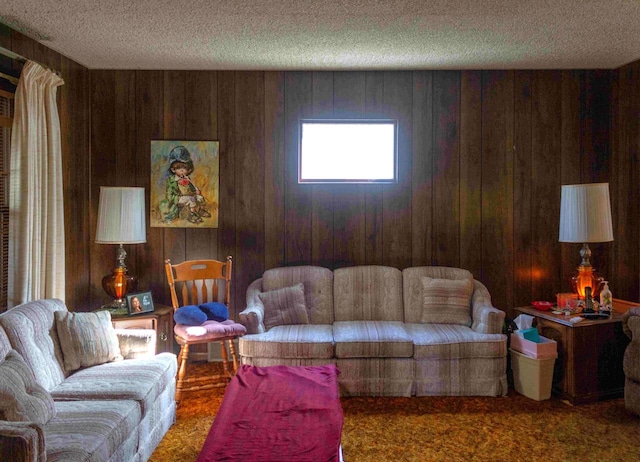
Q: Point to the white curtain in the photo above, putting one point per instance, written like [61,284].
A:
[36,233]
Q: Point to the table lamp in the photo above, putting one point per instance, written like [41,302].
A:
[121,220]
[585,217]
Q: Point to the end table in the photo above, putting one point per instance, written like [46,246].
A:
[160,320]
[589,363]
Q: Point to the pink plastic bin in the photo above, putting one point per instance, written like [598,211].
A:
[546,349]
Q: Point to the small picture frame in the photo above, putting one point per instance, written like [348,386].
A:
[140,302]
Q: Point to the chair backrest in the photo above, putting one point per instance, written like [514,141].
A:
[199,281]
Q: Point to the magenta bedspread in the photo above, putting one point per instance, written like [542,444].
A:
[277,414]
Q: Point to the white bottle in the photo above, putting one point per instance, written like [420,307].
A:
[606,298]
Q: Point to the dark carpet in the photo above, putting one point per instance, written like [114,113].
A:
[513,428]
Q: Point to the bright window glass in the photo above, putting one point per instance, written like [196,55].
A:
[347,151]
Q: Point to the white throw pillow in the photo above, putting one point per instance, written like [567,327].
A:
[87,339]
[284,306]
[447,301]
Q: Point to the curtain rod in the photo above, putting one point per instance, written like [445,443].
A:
[10,78]
[10,54]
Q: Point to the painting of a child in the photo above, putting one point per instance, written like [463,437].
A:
[184,184]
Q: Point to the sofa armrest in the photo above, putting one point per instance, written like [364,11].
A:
[485,318]
[253,315]
[22,441]
[137,343]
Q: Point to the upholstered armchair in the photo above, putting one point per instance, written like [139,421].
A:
[631,364]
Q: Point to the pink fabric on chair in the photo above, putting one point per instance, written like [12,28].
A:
[210,330]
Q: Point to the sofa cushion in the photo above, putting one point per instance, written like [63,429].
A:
[91,430]
[86,339]
[447,301]
[22,399]
[141,380]
[318,288]
[453,341]
[293,341]
[368,293]
[372,339]
[284,306]
[31,330]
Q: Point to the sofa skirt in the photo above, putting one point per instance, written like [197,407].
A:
[376,376]
[264,362]
[461,377]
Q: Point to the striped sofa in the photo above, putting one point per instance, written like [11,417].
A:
[421,331]
[114,411]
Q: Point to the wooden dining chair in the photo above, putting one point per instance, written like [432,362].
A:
[195,282]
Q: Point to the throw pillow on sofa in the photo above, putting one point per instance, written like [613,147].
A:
[284,306]
[447,301]
[86,339]
[22,399]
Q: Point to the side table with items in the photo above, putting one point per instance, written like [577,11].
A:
[160,320]
[590,352]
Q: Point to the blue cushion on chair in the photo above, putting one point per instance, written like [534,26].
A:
[215,311]
[189,315]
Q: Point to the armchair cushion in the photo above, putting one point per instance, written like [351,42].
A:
[284,306]
[22,399]
[447,301]
[86,339]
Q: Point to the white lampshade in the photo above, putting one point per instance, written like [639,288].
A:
[585,213]
[121,216]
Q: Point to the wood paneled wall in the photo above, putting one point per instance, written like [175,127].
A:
[482,158]
[625,184]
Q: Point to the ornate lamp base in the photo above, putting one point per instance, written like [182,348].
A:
[587,277]
[117,307]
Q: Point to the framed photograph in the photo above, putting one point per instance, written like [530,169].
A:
[140,302]
[184,184]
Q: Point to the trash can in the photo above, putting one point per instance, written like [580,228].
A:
[532,377]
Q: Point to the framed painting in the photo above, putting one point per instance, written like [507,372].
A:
[185,184]
[140,302]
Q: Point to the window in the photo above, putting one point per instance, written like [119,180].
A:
[6,113]
[348,151]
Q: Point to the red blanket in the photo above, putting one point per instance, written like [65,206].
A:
[277,414]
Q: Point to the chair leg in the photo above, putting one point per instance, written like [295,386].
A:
[225,359]
[234,357]
[182,370]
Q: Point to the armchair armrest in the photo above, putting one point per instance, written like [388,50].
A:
[22,441]
[253,315]
[486,319]
[137,343]
[631,323]
[631,359]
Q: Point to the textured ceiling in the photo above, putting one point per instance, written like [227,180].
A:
[334,34]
